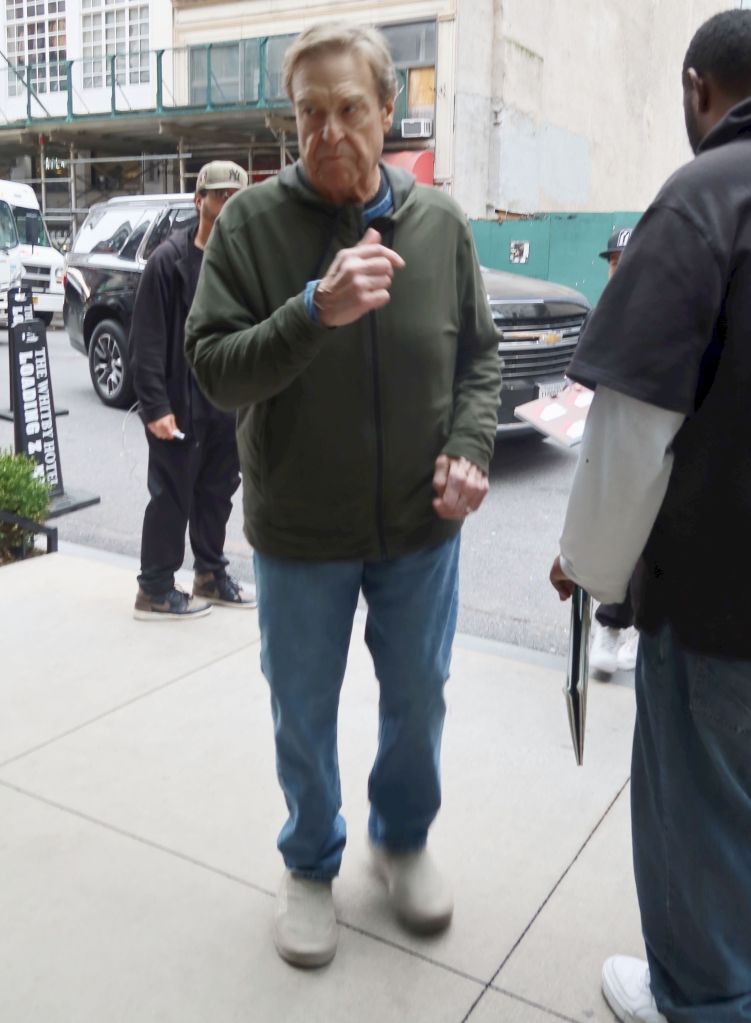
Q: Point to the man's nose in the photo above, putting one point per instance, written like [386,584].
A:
[332,130]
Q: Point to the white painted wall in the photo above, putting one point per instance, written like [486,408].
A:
[582,103]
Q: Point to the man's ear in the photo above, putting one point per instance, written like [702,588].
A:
[700,90]
[198,199]
[387,116]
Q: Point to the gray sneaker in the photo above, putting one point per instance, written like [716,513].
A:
[175,605]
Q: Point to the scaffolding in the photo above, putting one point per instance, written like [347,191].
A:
[115,128]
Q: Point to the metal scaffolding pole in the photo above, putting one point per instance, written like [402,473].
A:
[73,200]
[43,174]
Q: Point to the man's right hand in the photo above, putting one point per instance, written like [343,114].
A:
[163,428]
[358,281]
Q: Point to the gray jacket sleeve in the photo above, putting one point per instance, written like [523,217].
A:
[620,483]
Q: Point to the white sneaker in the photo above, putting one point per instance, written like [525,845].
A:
[418,892]
[603,654]
[625,984]
[627,650]
[305,930]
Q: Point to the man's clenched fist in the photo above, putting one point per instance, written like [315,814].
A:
[357,281]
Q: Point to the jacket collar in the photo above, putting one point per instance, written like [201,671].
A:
[734,125]
[294,179]
[183,242]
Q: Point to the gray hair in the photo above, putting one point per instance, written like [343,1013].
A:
[338,36]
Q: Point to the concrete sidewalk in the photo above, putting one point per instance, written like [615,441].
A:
[139,810]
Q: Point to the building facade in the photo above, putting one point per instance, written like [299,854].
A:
[519,108]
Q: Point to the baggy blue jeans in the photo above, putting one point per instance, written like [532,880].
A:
[691,824]
[306,612]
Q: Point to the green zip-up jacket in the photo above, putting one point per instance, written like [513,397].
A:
[339,429]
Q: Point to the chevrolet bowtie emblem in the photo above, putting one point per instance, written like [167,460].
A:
[551,337]
[538,337]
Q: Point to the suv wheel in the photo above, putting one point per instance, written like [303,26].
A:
[108,364]
[46,318]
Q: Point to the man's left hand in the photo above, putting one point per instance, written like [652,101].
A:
[561,581]
[461,487]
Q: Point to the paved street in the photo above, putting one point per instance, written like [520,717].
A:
[507,546]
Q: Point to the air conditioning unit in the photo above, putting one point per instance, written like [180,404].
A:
[416,128]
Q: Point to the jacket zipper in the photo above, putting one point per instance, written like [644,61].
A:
[378,414]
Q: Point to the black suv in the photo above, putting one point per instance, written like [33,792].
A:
[102,271]
[538,326]
[538,323]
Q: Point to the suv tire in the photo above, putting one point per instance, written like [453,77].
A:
[46,318]
[109,365]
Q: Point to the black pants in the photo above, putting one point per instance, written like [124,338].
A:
[616,616]
[191,483]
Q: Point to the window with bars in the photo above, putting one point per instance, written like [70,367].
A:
[35,31]
[114,28]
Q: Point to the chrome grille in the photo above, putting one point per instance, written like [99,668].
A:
[36,277]
[525,358]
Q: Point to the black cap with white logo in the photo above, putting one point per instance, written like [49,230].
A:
[617,241]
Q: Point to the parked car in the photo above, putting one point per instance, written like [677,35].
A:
[102,270]
[538,326]
[538,322]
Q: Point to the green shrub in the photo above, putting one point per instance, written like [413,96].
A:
[22,493]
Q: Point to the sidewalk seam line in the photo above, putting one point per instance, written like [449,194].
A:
[158,847]
[123,833]
[544,903]
[525,1001]
[122,706]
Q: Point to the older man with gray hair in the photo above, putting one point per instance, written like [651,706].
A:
[341,310]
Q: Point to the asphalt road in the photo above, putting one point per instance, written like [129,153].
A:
[507,547]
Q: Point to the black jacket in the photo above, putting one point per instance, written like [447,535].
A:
[672,329]
[161,375]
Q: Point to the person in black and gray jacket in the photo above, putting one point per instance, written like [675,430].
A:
[193,465]
[663,484]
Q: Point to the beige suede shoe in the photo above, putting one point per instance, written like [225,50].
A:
[420,895]
[305,929]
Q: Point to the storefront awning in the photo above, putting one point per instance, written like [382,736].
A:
[419,162]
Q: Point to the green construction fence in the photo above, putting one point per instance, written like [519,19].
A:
[560,247]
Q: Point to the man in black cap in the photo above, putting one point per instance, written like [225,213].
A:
[193,464]
[664,480]
[614,638]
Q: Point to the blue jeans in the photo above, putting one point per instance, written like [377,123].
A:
[691,823]
[306,611]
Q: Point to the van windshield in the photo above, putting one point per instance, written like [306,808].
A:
[30,227]
[8,236]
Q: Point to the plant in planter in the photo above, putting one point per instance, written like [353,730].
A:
[24,503]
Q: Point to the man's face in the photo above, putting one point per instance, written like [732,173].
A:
[613,260]
[210,205]
[340,125]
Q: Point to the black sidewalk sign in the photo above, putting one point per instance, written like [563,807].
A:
[34,424]
[20,310]
[32,404]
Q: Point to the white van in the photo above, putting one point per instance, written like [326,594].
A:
[43,265]
[11,267]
